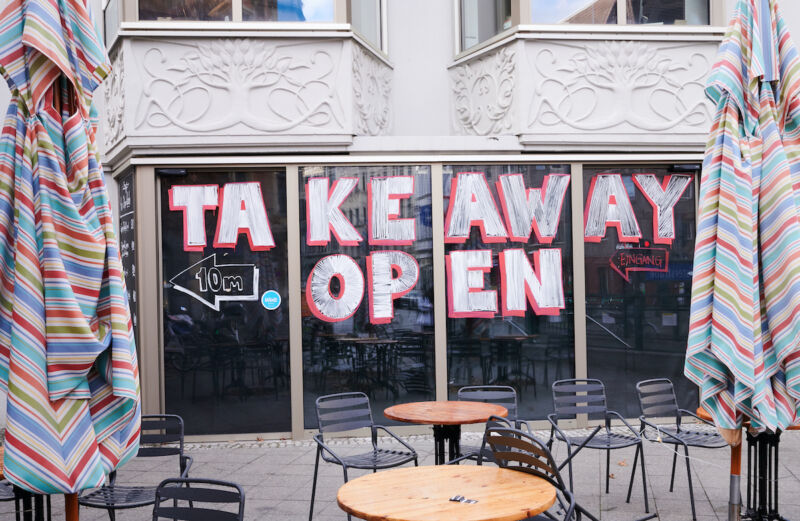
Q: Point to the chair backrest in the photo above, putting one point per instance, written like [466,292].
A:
[198,500]
[497,394]
[517,450]
[343,412]
[158,430]
[579,396]
[657,398]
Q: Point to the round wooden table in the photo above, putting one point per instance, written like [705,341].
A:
[423,494]
[446,418]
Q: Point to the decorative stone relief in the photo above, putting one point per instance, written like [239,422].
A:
[618,86]
[372,91]
[114,96]
[483,94]
[241,85]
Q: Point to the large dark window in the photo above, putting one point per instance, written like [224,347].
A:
[367,284]
[226,302]
[511,344]
[638,278]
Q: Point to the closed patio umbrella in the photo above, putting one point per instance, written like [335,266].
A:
[744,336]
[67,355]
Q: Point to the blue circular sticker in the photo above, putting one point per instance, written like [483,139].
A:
[271,299]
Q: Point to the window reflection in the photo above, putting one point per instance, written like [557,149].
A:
[638,327]
[482,19]
[574,11]
[226,355]
[288,10]
[366,16]
[211,10]
[526,352]
[391,360]
[678,12]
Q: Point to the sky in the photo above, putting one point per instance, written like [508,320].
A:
[318,10]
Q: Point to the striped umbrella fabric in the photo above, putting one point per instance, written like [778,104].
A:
[744,335]
[67,353]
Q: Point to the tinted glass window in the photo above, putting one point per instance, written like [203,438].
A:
[574,12]
[219,10]
[509,281]
[367,275]
[482,19]
[678,12]
[288,10]
[226,301]
[638,278]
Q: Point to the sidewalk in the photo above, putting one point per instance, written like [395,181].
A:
[276,477]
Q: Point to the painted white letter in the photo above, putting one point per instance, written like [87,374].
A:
[384,287]
[663,197]
[323,212]
[472,204]
[323,304]
[608,204]
[193,200]
[383,204]
[541,284]
[465,276]
[242,211]
[537,209]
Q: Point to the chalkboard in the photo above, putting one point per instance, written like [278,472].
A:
[127,240]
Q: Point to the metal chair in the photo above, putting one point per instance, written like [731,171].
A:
[588,396]
[520,451]
[497,394]
[346,412]
[483,453]
[176,500]
[7,494]
[657,400]
[158,430]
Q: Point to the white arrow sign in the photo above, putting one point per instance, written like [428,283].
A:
[212,283]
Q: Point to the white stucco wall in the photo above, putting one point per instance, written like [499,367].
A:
[420,48]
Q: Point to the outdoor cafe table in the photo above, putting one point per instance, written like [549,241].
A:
[423,494]
[447,417]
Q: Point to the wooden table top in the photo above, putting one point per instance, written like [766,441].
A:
[423,494]
[444,413]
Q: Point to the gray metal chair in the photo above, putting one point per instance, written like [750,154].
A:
[7,494]
[657,400]
[194,499]
[520,451]
[160,434]
[588,396]
[346,412]
[497,394]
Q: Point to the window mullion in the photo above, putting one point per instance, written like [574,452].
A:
[622,12]
[238,13]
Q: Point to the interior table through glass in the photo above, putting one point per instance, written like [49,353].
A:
[447,417]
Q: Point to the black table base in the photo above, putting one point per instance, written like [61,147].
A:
[35,507]
[452,435]
[762,477]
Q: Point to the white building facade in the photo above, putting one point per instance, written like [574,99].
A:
[511,187]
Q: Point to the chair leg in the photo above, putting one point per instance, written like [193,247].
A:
[608,466]
[644,481]
[314,486]
[569,455]
[344,470]
[111,515]
[689,475]
[674,461]
[633,472]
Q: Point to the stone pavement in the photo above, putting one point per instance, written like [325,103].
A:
[276,477]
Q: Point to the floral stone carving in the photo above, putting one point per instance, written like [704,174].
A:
[114,97]
[372,90]
[626,86]
[213,85]
[483,94]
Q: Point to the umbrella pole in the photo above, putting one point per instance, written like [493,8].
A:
[71,507]
[735,498]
